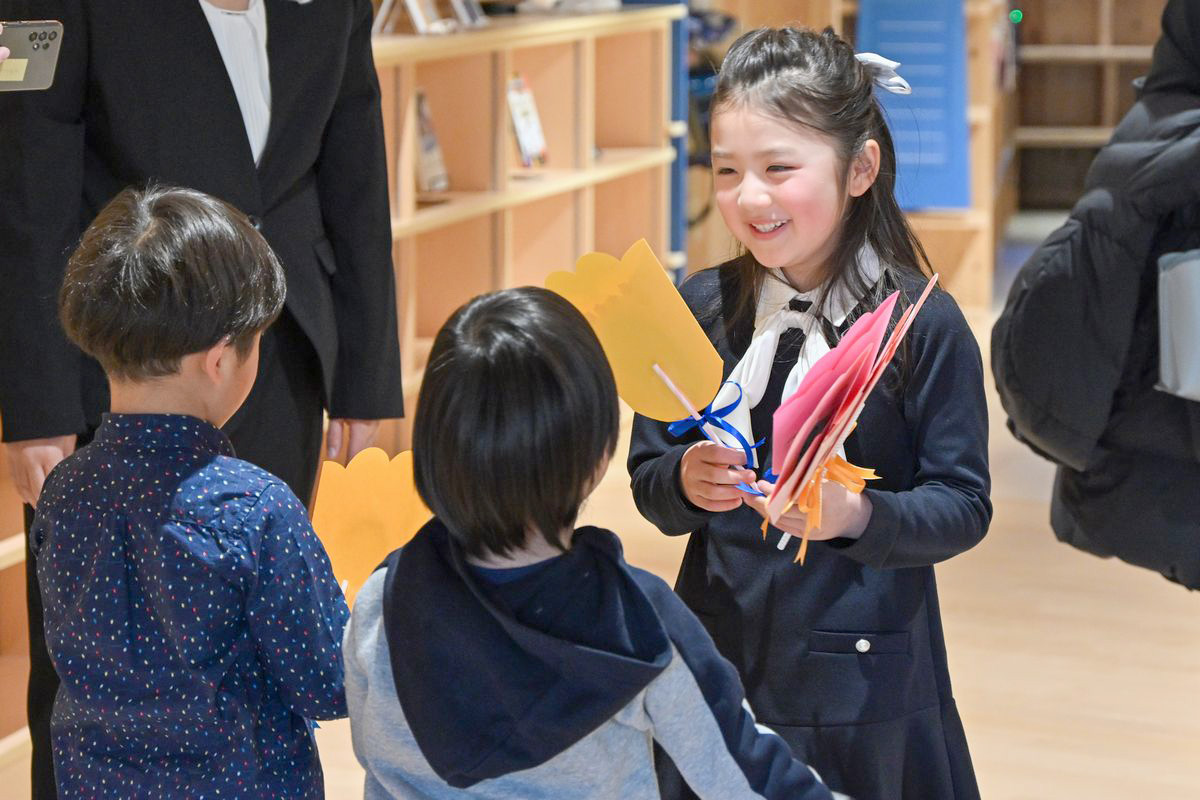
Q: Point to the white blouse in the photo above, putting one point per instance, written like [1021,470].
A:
[242,39]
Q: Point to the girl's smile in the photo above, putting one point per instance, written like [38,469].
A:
[781,190]
[778,190]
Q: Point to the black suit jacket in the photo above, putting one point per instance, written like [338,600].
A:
[142,94]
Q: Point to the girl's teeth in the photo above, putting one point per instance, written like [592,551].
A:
[768,227]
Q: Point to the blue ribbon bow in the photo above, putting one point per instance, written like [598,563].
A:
[717,418]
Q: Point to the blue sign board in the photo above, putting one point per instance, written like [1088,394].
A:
[929,126]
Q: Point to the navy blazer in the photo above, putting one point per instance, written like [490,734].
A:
[844,656]
[141,94]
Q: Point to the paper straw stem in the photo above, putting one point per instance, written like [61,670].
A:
[687,404]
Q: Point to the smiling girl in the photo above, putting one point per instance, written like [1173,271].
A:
[844,656]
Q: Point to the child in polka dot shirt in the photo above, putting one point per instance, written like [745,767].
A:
[190,610]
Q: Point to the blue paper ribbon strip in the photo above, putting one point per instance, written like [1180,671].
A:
[717,419]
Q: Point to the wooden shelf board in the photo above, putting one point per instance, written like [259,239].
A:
[15,747]
[1067,136]
[611,164]
[950,220]
[1084,53]
[14,674]
[525,30]
[411,384]
[12,550]
[421,347]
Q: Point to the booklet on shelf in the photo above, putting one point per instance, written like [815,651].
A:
[526,124]
[431,167]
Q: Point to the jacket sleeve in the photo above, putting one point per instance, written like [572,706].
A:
[699,715]
[654,462]
[948,508]
[41,195]
[296,611]
[1060,345]
[352,184]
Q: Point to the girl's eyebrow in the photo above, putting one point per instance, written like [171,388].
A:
[770,152]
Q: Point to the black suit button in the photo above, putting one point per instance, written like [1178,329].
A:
[255,222]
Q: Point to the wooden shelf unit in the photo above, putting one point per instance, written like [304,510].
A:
[602,86]
[961,244]
[14,644]
[1078,61]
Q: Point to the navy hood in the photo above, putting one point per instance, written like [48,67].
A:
[506,677]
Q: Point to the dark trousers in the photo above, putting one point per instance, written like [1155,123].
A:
[278,428]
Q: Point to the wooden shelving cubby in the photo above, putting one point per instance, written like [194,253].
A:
[602,86]
[1078,62]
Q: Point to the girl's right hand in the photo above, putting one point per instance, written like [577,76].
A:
[710,474]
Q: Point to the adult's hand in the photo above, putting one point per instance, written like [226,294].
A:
[356,434]
[31,460]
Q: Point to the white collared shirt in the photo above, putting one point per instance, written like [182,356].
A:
[748,380]
[242,39]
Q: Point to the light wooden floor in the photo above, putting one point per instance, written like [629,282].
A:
[1076,678]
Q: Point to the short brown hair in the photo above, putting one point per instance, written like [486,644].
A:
[162,273]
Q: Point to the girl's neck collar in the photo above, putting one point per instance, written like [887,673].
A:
[776,293]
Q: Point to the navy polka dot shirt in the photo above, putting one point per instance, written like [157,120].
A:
[192,616]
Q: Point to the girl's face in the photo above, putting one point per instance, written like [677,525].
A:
[780,190]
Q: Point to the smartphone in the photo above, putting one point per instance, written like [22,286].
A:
[34,47]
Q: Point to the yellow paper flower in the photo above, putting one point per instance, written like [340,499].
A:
[366,510]
[641,321]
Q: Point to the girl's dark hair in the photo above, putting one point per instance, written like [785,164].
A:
[813,80]
[162,273]
[517,412]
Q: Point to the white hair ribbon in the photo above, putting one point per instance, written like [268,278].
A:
[883,72]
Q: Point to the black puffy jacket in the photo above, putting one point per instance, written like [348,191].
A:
[1075,352]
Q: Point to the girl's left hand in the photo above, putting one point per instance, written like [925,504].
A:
[844,514]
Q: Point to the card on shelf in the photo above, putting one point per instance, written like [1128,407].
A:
[527,125]
[431,167]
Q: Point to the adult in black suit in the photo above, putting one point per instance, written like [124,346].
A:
[142,94]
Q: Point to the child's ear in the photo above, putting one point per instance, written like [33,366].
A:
[217,359]
[864,169]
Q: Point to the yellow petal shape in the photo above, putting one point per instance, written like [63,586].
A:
[366,510]
[641,321]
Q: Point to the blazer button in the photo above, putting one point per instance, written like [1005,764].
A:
[255,222]
[862,645]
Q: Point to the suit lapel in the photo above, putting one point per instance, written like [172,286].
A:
[219,97]
[286,56]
